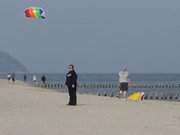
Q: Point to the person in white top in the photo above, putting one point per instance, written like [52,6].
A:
[34,78]
[9,77]
[123,80]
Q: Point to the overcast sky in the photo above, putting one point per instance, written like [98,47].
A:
[95,35]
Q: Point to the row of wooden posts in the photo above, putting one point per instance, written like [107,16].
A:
[83,86]
[148,95]
[54,85]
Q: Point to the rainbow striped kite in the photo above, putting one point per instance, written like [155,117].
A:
[35,12]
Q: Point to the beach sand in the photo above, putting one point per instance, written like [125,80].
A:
[34,111]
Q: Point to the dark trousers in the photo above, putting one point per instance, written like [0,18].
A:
[72,96]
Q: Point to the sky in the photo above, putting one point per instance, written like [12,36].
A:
[97,36]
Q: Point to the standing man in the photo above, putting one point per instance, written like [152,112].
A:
[25,77]
[71,83]
[34,78]
[13,77]
[43,79]
[123,79]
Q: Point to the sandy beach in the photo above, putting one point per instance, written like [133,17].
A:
[34,111]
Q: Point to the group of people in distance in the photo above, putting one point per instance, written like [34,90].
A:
[11,77]
[34,78]
[43,79]
[71,83]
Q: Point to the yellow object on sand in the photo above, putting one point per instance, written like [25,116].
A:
[136,96]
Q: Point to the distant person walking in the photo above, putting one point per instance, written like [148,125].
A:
[71,83]
[43,79]
[13,77]
[34,78]
[9,77]
[123,80]
[25,78]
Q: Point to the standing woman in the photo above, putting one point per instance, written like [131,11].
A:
[71,83]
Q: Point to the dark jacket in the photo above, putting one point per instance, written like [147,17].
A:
[71,79]
[43,78]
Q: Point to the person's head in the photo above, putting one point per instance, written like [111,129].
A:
[124,68]
[71,67]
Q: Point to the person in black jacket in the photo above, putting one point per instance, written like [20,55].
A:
[71,83]
[13,77]
[25,78]
[43,79]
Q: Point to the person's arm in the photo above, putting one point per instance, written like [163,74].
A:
[66,80]
[74,80]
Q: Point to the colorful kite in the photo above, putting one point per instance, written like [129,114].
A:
[35,12]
